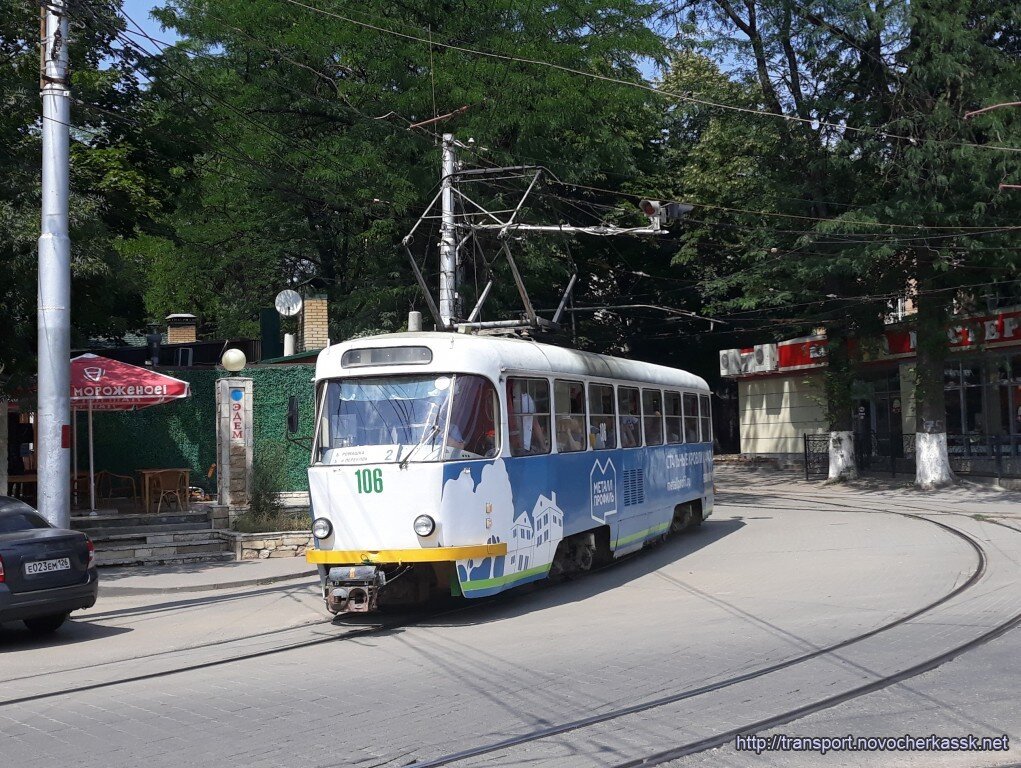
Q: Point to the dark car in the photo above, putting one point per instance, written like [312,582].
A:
[45,572]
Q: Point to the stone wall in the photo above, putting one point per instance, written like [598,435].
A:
[259,546]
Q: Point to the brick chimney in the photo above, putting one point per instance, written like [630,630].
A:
[181,328]
[315,330]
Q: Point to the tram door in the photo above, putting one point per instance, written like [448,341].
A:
[537,523]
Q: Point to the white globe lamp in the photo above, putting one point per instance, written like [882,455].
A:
[233,360]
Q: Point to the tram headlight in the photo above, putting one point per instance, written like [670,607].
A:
[321,528]
[424,525]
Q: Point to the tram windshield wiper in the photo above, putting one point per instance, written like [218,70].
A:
[428,434]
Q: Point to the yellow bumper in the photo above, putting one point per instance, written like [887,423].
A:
[424,555]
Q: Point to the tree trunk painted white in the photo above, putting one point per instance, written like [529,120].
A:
[3,447]
[932,464]
[842,466]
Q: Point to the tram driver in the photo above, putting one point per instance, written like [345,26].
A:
[472,427]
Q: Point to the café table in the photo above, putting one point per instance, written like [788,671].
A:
[25,486]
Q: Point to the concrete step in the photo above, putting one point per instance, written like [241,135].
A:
[194,518]
[128,551]
[105,539]
[98,534]
[129,559]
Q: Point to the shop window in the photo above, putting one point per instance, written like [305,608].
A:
[630,417]
[569,402]
[602,421]
[652,408]
[528,416]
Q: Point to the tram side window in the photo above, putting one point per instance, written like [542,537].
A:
[652,408]
[473,429]
[569,401]
[630,417]
[602,422]
[528,416]
[704,419]
[690,417]
[672,417]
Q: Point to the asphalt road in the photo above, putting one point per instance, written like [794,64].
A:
[751,618]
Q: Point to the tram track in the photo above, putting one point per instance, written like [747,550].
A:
[976,576]
[142,657]
[728,736]
[421,617]
[922,510]
[353,634]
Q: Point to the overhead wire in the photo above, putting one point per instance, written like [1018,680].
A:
[636,196]
[880,133]
[833,234]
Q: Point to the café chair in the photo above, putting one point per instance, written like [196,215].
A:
[110,485]
[169,486]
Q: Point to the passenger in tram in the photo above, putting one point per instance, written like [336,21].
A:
[527,434]
[628,425]
[570,434]
[654,428]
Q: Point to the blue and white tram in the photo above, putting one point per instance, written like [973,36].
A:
[475,464]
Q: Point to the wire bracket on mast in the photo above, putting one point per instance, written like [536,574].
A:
[504,224]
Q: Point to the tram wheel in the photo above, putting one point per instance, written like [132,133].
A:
[682,519]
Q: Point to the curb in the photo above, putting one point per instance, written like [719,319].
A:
[114,591]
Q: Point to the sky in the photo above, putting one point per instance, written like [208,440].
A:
[138,10]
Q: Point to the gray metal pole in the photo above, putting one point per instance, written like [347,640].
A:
[53,429]
[448,248]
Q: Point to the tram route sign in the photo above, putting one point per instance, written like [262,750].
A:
[603,490]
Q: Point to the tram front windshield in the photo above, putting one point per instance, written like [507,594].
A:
[401,419]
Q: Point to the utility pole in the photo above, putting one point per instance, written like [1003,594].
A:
[53,421]
[477,219]
[448,235]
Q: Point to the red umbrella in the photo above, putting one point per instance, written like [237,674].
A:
[101,384]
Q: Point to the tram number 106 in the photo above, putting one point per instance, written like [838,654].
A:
[369,480]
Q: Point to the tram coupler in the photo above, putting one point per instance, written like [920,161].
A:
[353,588]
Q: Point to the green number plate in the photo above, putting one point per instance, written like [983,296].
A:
[369,480]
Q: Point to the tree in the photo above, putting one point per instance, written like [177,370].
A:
[959,56]
[871,169]
[116,183]
[310,174]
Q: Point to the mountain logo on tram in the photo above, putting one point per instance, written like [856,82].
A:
[603,484]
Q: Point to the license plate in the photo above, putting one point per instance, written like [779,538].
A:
[46,566]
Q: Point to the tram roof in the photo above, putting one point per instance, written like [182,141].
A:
[494,355]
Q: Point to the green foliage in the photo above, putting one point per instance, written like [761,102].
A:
[266,522]
[267,482]
[308,174]
[801,222]
[183,434]
[118,185]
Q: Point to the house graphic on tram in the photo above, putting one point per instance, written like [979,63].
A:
[535,535]
[474,464]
